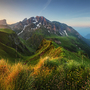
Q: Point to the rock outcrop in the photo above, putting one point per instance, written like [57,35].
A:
[3,22]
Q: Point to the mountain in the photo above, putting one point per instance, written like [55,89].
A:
[52,27]
[33,30]
[87,36]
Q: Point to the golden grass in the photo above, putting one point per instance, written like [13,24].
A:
[39,65]
[8,74]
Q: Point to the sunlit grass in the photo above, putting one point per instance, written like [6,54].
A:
[14,77]
[48,74]
[7,31]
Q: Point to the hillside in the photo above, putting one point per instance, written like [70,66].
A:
[53,50]
[72,43]
[51,67]
[11,46]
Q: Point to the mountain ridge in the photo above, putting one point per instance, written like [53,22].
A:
[52,26]
[87,36]
[35,29]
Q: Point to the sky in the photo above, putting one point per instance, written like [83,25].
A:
[75,13]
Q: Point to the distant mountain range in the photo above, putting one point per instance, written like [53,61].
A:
[83,30]
[87,36]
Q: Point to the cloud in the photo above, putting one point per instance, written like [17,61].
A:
[46,5]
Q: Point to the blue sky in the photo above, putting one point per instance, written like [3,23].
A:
[75,13]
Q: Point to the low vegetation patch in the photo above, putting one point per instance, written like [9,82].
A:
[47,74]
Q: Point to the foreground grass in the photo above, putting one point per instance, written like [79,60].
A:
[48,74]
[15,77]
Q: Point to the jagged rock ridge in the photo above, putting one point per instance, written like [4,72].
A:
[34,23]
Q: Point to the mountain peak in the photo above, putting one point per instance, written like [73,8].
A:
[25,19]
[87,36]
[51,27]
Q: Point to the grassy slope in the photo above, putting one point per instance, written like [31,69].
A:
[59,60]
[26,44]
[6,51]
[51,68]
[70,43]
[7,31]
[10,38]
[51,49]
[4,37]
[10,51]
